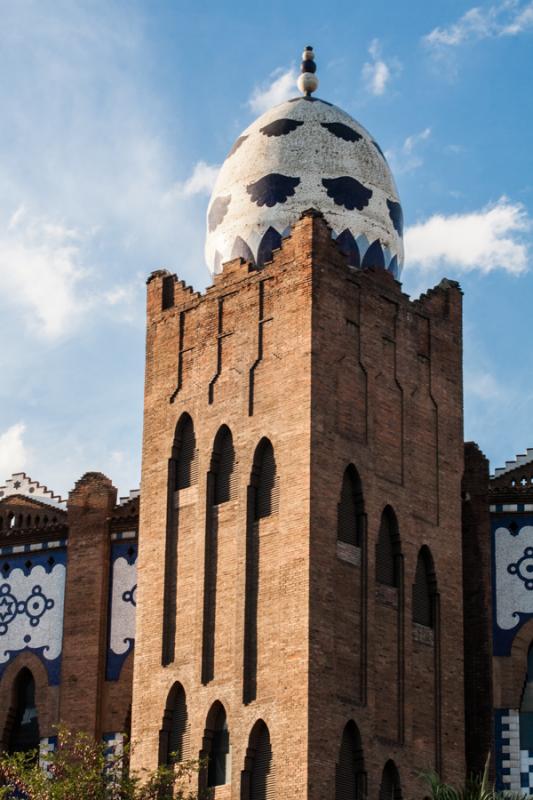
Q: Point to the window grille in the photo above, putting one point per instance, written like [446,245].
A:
[350,770]
[262,778]
[267,492]
[186,455]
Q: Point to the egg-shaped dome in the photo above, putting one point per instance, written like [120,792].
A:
[305,153]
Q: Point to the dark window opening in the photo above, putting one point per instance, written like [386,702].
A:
[266,483]
[174,732]
[387,550]
[350,776]
[224,458]
[390,788]
[262,775]
[219,766]
[25,731]
[424,591]
[351,509]
[185,455]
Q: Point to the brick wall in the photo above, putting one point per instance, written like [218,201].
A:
[333,366]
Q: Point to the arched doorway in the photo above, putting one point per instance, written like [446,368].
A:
[24,734]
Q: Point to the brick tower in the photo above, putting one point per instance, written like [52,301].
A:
[299,615]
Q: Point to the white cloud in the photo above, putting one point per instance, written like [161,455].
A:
[507,18]
[280,87]
[201,181]
[482,240]
[40,271]
[13,452]
[407,157]
[377,73]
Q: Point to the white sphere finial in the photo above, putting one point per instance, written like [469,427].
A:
[307,81]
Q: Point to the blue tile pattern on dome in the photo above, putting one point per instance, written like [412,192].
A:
[305,153]
[272,189]
[396,215]
[241,250]
[342,131]
[348,246]
[374,256]
[236,145]
[281,127]
[347,192]
[270,241]
[217,212]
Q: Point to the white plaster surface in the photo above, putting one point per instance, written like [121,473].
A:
[512,596]
[48,632]
[122,611]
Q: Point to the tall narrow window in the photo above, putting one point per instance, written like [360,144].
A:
[217,733]
[350,776]
[350,510]
[182,473]
[173,737]
[262,501]
[424,590]
[25,731]
[387,568]
[223,466]
[262,773]
[266,482]
[390,787]
[184,453]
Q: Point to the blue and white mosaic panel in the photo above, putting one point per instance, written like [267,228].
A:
[513,578]
[32,591]
[122,606]
[507,746]
[526,771]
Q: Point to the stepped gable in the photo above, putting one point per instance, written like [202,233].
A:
[515,478]
[21,484]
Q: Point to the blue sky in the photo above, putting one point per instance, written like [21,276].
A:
[115,118]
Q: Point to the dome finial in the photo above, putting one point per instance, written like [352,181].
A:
[308,81]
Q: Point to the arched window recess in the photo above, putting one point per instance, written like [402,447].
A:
[425,595]
[24,734]
[351,518]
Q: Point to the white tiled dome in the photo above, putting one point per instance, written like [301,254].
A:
[305,153]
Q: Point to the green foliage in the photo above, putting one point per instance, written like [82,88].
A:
[475,788]
[79,769]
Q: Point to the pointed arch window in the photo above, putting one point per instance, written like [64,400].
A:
[351,509]
[223,466]
[266,481]
[387,550]
[173,737]
[262,772]
[424,590]
[185,454]
[390,787]
[350,775]
[219,755]
[25,730]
